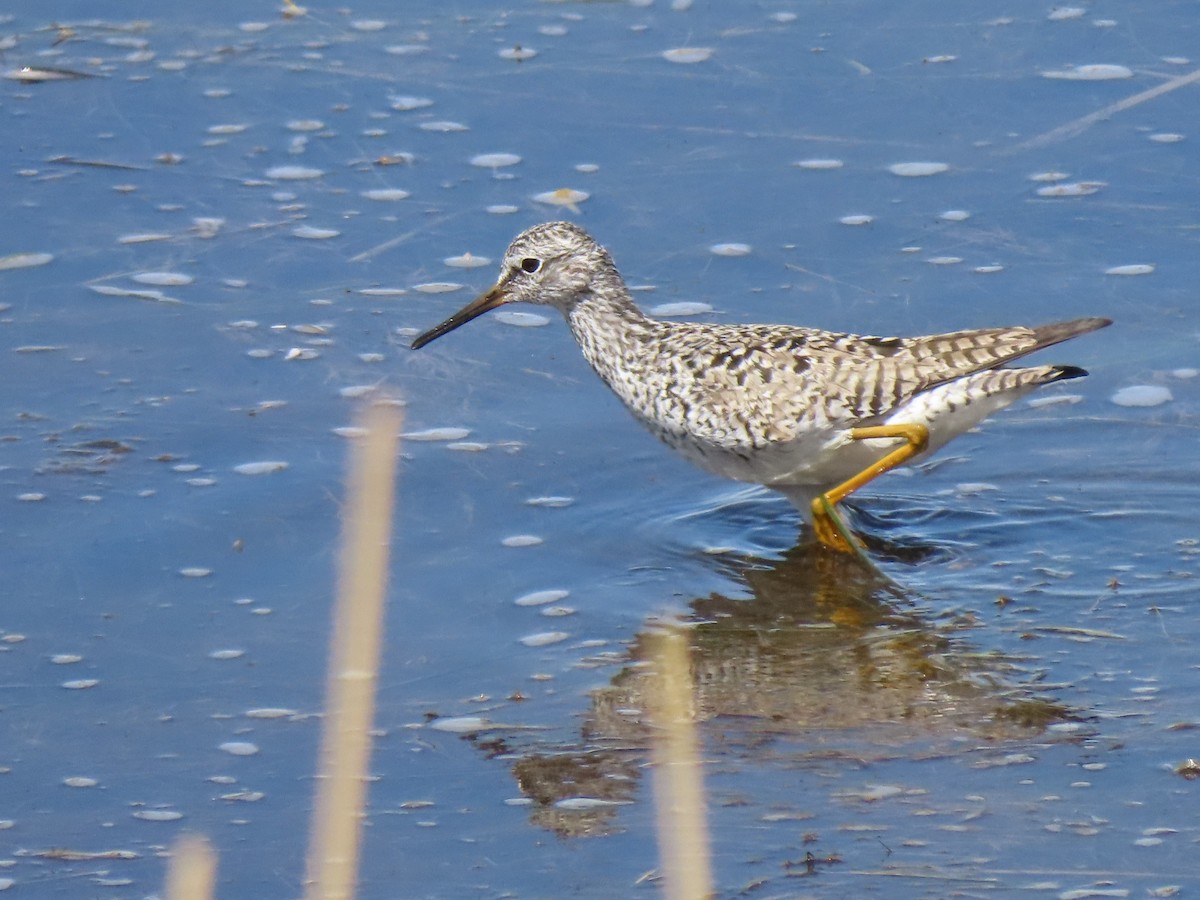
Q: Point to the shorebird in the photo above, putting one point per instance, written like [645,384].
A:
[812,414]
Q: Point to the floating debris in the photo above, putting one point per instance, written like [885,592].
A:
[1093,72]
[955,215]
[262,467]
[386,194]
[544,638]
[239,748]
[918,169]
[686,55]
[517,53]
[158,815]
[1071,189]
[568,197]
[312,233]
[403,104]
[436,434]
[523,540]
[226,654]
[39,74]
[270,712]
[503,209]
[467,260]
[444,127]
[860,219]
[730,249]
[195,572]
[550,502]
[541,598]
[293,173]
[438,287]
[143,238]
[110,290]
[1143,395]
[25,260]
[817,165]
[1165,137]
[163,279]
[520,319]
[1134,269]
[495,160]
[460,724]
[303,125]
[681,308]
[80,684]
[944,260]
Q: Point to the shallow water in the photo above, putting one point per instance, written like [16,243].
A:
[1002,706]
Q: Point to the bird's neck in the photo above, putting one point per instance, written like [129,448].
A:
[609,327]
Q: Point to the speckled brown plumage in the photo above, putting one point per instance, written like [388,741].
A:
[767,404]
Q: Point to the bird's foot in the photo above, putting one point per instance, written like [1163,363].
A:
[831,530]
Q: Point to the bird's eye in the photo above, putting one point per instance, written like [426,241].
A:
[530,264]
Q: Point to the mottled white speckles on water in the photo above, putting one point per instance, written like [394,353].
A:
[568,198]
[293,173]
[1144,395]
[495,160]
[730,249]
[1071,189]
[436,434]
[261,467]
[1132,269]
[918,169]
[313,233]
[819,164]
[541,598]
[680,308]
[859,219]
[467,260]
[25,260]
[686,55]
[1093,72]
[386,194]
[437,287]
[522,540]
[544,638]
[520,319]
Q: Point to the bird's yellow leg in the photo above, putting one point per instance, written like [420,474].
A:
[827,524]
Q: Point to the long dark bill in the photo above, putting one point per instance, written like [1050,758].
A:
[489,299]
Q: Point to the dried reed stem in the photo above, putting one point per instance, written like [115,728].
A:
[354,659]
[678,780]
[192,869]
